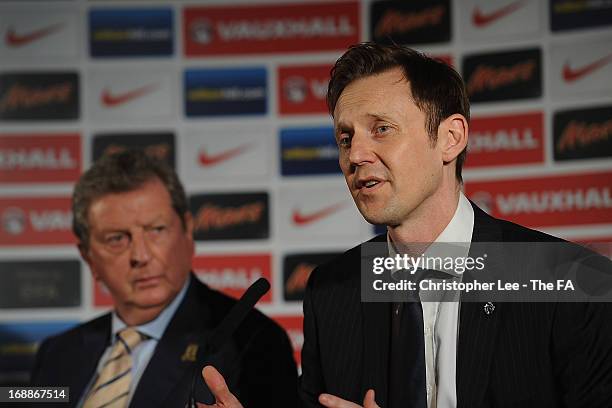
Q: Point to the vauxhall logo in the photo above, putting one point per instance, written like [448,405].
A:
[37,158]
[555,200]
[296,88]
[238,30]
[15,221]
[505,139]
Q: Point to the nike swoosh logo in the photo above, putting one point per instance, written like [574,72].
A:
[481,19]
[110,100]
[573,74]
[12,39]
[300,219]
[208,160]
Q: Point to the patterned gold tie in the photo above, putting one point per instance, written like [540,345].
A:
[112,386]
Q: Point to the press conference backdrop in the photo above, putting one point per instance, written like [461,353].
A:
[231,93]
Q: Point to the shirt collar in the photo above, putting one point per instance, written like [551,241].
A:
[156,327]
[458,232]
[461,226]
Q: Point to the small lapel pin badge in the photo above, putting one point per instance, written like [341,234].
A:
[488,308]
[190,352]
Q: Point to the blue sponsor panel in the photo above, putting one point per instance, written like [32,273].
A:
[574,15]
[306,151]
[18,345]
[131,32]
[225,92]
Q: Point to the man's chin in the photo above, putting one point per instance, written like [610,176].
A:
[153,296]
[375,219]
[373,215]
[145,303]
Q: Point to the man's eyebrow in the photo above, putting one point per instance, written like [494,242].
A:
[341,126]
[112,230]
[380,116]
[157,218]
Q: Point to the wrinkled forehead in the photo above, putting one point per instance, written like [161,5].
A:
[393,75]
[151,197]
[380,95]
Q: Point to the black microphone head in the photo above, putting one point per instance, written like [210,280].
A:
[261,286]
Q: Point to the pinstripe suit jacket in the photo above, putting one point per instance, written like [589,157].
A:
[522,355]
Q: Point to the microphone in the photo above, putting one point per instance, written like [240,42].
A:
[230,323]
[237,314]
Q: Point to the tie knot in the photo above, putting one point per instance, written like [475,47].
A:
[130,337]
[422,274]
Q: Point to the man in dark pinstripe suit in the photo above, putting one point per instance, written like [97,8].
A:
[401,124]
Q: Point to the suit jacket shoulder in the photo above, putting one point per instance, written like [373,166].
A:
[342,269]
[59,356]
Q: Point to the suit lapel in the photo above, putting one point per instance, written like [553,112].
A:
[376,335]
[477,330]
[94,342]
[172,364]
[474,353]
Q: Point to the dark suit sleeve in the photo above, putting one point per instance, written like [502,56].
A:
[48,372]
[311,380]
[36,377]
[270,376]
[582,345]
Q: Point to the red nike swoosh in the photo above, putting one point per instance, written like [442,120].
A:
[12,39]
[207,160]
[110,100]
[480,19]
[570,74]
[304,219]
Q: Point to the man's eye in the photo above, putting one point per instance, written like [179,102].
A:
[382,129]
[344,141]
[158,229]
[115,239]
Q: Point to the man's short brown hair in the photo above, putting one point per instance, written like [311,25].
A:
[120,173]
[437,89]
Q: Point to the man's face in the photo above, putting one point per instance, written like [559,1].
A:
[139,248]
[386,155]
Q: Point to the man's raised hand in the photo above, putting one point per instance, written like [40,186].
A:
[331,401]
[216,384]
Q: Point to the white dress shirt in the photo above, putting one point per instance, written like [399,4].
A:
[441,319]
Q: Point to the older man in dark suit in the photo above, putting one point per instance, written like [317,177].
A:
[135,232]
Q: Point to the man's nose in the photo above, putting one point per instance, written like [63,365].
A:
[361,151]
[140,253]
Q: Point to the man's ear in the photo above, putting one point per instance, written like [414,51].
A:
[189,225]
[453,135]
[84,251]
[188,219]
